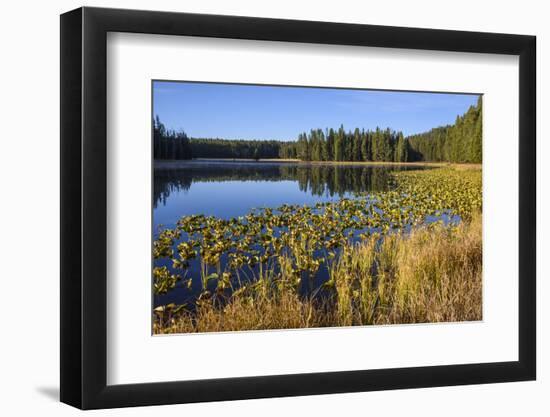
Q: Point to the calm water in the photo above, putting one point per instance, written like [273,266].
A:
[231,189]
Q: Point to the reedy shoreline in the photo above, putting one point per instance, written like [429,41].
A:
[432,274]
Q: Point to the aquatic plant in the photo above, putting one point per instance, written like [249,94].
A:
[432,274]
[274,249]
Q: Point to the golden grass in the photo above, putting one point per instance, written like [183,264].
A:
[425,277]
[432,274]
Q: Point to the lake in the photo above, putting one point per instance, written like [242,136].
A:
[228,189]
[231,189]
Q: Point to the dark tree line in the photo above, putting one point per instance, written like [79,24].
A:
[460,142]
[341,145]
[169,144]
[235,149]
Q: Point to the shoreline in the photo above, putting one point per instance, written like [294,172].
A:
[171,164]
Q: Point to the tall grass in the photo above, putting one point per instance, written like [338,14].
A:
[431,274]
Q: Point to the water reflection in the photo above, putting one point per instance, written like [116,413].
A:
[315,179]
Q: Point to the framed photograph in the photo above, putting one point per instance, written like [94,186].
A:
[257,208]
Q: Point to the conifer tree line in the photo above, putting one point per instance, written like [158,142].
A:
[235,148]
[460,142]
[169,144]
[341,145]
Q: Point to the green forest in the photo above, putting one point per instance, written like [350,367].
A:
[169,144]
[235,149]
[460,142]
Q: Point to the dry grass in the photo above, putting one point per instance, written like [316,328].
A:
[433,274]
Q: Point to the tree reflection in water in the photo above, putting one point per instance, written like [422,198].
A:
[318,180]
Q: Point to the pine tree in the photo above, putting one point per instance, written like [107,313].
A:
[400,150]
[477,142]
[356,145]
[331,139]
[339,144]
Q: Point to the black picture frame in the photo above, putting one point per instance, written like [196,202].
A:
[84,207]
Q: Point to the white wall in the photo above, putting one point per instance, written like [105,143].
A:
[29,164]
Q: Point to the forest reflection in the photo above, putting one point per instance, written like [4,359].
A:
[317,180]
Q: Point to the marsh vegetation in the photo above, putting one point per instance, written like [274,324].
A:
[405,248]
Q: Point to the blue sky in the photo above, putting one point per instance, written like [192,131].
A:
[236,111]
